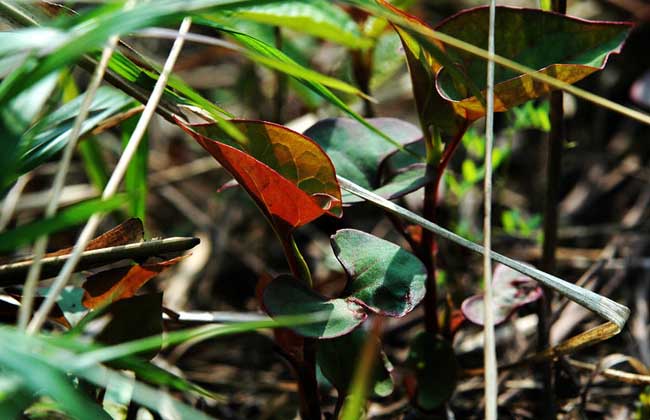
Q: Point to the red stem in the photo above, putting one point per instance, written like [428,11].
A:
[427,249]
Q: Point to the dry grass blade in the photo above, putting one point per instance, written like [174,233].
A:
[489,349]
[114,181]
[601,305]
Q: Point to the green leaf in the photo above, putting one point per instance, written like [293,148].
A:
[338,359]
[357,153]
[15,397]
[564,47]
[320,18]
[406,181]
[50,134]
[384,278]
[287,296]
[268,55]
[68,217]
[44,378]
[46,364]
[436,369]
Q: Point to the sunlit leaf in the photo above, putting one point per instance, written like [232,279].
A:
[383,277]
[47,364]
[511,290]
[288,175]
[566,48]
[316,17]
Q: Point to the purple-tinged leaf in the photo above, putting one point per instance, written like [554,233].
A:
[511,291]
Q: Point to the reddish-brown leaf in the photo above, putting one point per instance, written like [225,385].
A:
[112,285]
[125,233]
[287,174]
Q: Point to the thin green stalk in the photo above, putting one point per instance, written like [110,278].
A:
[489,344]
[280,83]
[353,407]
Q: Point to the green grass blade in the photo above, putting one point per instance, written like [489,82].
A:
[135,179]
[55,360]
[66,218]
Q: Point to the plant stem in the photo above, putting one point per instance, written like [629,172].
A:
[553,176]
[428,258]
[362,69]
[307,383]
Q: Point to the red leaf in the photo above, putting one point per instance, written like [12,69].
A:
[287,174]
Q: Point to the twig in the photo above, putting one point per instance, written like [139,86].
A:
[113,182]
[489,349]
[12,273]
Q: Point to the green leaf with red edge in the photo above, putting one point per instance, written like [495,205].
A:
[288,175]
[564,47]
[383,277]
[359,154]
[112,285]
[512,290]
[287,296]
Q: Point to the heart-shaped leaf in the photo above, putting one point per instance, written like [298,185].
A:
[564,47]
[436,370]
[358,153]
[383,277]
[338,359]
[511,290]
[288,175]
[287,296]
